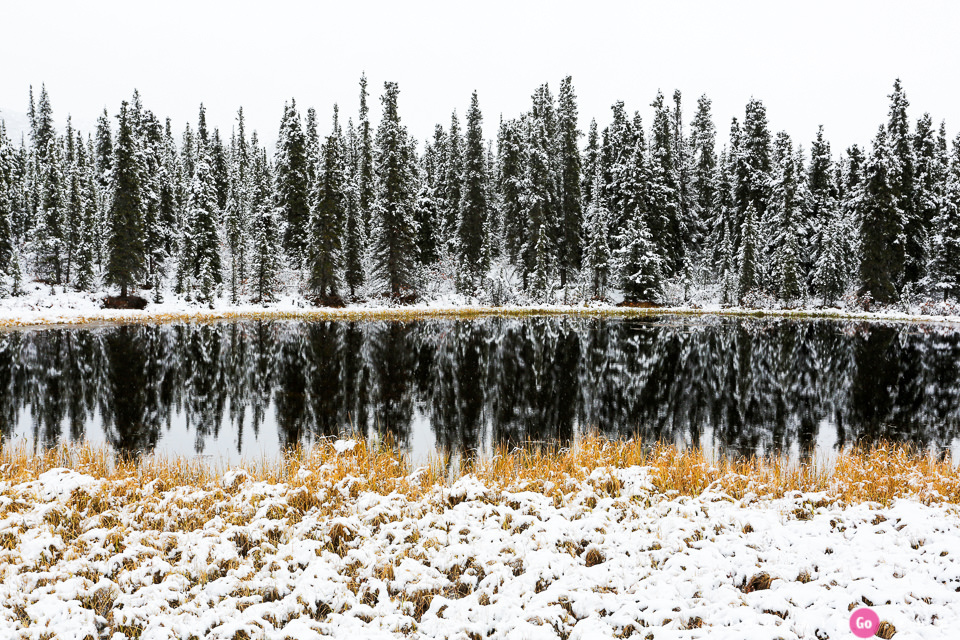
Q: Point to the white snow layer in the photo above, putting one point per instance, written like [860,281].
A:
[45,305]
[466,562]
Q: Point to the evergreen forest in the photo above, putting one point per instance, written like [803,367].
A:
[527,210]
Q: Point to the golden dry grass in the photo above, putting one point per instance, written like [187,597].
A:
[406,314]
[878,473]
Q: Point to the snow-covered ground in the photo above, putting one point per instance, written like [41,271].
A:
[45,305]
[258,560]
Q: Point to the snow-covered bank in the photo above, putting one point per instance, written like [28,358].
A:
[40,306]
[611,558]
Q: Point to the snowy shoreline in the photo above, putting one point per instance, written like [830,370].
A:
[40,308]
[610,557]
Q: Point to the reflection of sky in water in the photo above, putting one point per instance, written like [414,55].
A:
[738,386]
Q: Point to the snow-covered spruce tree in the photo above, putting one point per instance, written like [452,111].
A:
[831,268]
[591,160]
[237,214]
[453,187]
[538,251]
[909,265]
[49,245]
[638,262]
[204,214]
[692,229]
[425,208]
[945,264]
[703,168]
[570,243]
[747,259]
[354,229]
[159,211]
[787,206]
[822,203]
[881,223]
[927,196]
[617,156]
[720,248]
[85,271]
[6,207]
[266,233]
[125,252]
[394,233]
[664,193]
[751,155]
[596,232]
[474,207]
[328,210]
[366,183]
[293,183]
[510,187]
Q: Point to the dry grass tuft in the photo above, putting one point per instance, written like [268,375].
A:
[321,478]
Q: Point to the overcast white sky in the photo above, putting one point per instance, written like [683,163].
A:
[811,62]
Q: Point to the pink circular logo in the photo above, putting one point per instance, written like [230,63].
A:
[864,622]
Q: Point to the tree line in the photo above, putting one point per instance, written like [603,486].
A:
[541,213]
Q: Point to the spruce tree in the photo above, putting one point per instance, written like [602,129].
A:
[664,190]
[749,255]
[639,265]
[204,214]
[427,210]
[50,234]
[591,160]
[85,274]
[596,257]
[881,223]
[787,213]
[945,265]
[927,196]
[823,202]
[703,137]
[7,241]
[237,214]
[394,232]
[266,232]
[353,243]
[453,184]
[366,187]
[293,183]
[125,256]
[473,205]
[909,268]
[328,211]
[569,247]
[830,270]
[511,187]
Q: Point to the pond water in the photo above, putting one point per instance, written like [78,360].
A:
[247,389]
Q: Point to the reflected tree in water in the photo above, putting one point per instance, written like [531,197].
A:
[743,385]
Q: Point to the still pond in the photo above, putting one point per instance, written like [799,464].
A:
[246,389]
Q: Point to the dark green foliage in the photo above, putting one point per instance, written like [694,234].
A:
[354,229]
[293,183]
[569,245]
[125,261]
[394,233]
[328,213]
[639,264]
[747,262]
[473,206]
[902,176]
[266,231]
[881,228]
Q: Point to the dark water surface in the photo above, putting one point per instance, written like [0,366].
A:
[244,389]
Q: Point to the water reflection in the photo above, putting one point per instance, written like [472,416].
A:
[743,385]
